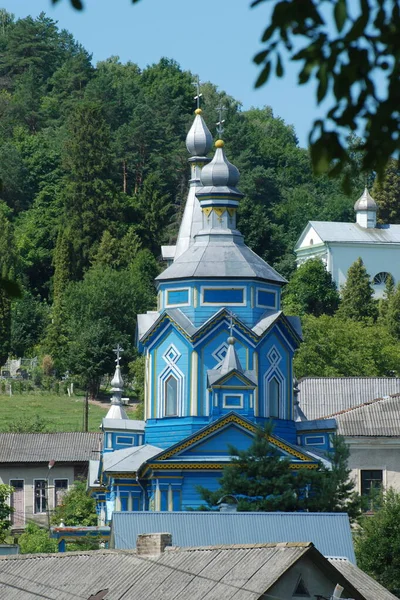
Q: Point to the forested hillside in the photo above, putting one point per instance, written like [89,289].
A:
[94,175]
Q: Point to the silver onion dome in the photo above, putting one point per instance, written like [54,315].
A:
[199,138]
[220,172]
[365,202]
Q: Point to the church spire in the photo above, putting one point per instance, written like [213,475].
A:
[198,144]
[116,410]
[231,359]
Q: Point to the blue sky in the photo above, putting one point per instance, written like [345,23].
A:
[215,39]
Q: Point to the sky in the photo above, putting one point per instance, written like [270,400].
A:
[215,39]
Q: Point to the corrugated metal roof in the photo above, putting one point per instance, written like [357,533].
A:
[244,573]
[380,417]
[330,231]
[370,588]
[329,532]
[42,447]
[324,396]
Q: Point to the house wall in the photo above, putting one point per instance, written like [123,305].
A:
[377,454]
[28,474]
[317,583]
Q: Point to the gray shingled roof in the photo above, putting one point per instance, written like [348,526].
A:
[378,418]
[370,588]
[324,396]
[42,447]
[240,572]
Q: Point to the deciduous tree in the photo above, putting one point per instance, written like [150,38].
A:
[311,290]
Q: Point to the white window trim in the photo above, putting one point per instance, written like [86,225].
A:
[125,443]
[226,287]
[236,406]
[274,371]
[188,303]
[9,498]
[170,369]
[46,490]
[307,437]
[259,305]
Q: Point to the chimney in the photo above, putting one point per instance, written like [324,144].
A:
[151,544]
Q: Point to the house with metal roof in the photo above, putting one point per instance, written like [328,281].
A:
[372,432]
[41,467]
[155,569]
[219,359]
[339,245]
[329,532]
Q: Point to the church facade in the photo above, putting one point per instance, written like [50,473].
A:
[219,360]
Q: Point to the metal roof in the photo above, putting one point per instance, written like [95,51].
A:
[199,139]
[222,256]
[329,532]
[378,418]
[239,572]
[123,424]
[366,202]
[128,459]
[370,588]
[43,447]
[324,396]
[330,231]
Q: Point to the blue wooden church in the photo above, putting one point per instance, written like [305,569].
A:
[219,359]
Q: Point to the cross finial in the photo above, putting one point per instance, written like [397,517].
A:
[118,351]
[231,325]
[220,109]
[196,82]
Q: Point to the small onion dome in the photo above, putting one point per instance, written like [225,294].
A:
[199,138]
[117,382]
[365,202]
[219,172]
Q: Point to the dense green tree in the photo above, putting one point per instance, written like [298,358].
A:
[357,294]
[35,540]
[377,543]
[383,302]
[29,318]
[77,507]
[391,316]
[260,479]
[7,272]
[337,347]
[5,510]
[311,290]
[387,194]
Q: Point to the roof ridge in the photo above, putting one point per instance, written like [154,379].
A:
[358,406]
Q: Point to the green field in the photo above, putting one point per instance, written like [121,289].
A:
[58,412]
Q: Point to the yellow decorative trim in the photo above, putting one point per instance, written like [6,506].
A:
[231,211]
[207,211]
[212,466]
[232,419]
[219,211]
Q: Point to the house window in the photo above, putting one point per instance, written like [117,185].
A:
[371,480]
[60,489]
[171,397]
[273,394]
[232,401]
[40,496]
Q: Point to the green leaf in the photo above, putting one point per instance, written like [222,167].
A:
[323,82]
[263,77]
[11,288]
[77,4]
[279,67]
[340,14]
[260,57]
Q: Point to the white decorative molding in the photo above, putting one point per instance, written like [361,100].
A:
[275,358]
[170,356]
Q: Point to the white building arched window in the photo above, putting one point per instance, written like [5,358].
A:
[382,278]
[171,396]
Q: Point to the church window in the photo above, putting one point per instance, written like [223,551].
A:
[267,299]
[40,496]
[171,397]
[223,296]
[177,297]
[273,394]
[232,401]
[381,278]
[124,441]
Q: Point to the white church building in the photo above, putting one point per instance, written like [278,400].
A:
[338,245]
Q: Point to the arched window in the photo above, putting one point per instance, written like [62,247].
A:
[381,278]
[273,396]
[171,397]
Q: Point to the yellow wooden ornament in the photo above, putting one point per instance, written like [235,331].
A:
[219,211]
[207,211]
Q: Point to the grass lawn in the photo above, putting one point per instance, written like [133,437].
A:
[58,411]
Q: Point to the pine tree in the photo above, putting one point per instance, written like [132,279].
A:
[357,294]
[7,272]
[392,315]
[387,195]
[383,303]
[311,290]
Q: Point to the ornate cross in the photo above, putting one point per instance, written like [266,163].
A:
[220,109]
[231,325]
[196,82]
[118,351]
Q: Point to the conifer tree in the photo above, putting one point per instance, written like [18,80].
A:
[7,272]
[357,294]
[387,195]
[392,315]
[384,301]
[311,290]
